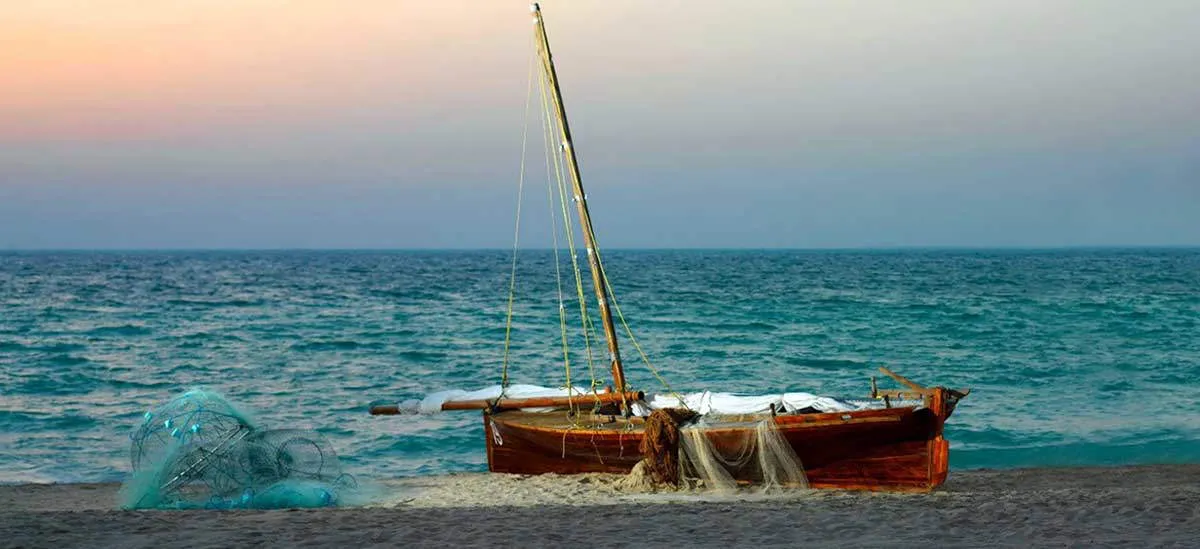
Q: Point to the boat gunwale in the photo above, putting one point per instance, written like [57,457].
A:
[783,422]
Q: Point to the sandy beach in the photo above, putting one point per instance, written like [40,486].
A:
[1127,506]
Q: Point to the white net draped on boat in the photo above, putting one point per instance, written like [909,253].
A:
[762,456]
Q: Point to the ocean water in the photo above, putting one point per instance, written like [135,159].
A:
[1077,357]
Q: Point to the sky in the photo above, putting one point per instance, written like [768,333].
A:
[700,123]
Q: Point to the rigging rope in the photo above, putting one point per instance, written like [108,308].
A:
[588,324]
[560,177]
[562,309]
[629,331]
[512,281]
[549,125]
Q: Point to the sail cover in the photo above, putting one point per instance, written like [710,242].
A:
[703,402]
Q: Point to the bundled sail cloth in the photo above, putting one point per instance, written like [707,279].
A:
[705,402]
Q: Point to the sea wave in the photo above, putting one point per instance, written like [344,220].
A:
[1061,348]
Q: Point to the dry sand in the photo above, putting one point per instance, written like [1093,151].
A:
[1127,506]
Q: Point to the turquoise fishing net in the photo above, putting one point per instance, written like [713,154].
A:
[198,451]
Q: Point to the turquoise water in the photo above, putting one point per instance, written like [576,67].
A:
[1075,357]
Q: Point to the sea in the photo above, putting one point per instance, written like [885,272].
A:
[1073,356]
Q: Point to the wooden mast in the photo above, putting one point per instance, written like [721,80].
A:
[585,219]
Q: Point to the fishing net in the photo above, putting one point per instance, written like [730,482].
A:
[753,452]
[199,451]
[660,444]
[714,453]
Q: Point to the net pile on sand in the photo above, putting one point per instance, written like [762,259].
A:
[199,451]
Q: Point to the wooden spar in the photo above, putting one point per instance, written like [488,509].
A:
[518,403]
[585,219]
[903,380]
[385,409]
[915,391]
[542,402]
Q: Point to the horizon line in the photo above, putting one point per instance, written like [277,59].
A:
[635,248]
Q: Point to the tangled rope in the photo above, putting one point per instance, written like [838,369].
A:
[660,445]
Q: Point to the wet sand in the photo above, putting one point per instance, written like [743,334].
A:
[1125,506]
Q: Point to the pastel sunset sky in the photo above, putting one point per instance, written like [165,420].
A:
[700,123]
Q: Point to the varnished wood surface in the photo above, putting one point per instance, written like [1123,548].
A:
[543,402]
[896,449]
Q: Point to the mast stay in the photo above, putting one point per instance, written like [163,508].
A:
[599,280]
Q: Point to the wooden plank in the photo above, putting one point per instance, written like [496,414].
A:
[904,395]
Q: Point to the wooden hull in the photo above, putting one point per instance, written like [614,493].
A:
[894,449]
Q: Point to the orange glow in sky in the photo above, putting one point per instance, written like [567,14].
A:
[132,69]
[711,123]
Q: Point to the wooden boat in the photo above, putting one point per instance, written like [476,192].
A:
[898,446]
